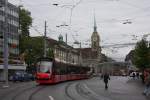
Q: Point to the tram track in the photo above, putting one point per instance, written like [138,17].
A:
[87,93]
[35,92]
[74,92]
[12,90]
[67,91]
[19,91]
[31,95]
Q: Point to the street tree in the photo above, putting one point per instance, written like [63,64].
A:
[33,48]
[141,55]
[25,21]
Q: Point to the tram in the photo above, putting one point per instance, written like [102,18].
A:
[50,71]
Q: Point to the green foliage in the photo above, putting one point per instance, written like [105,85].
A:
[50,52]
[33,47]
[25,20]
[141,55]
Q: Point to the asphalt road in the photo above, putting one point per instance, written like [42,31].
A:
[120,88]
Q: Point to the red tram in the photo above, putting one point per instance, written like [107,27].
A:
[50,71]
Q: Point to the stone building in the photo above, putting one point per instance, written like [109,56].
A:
[63,52]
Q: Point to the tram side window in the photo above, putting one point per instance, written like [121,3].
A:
[63,69]
[56,68]
[73,69]
[60,68]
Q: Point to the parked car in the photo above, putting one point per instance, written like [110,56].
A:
[21,76]
[28,77]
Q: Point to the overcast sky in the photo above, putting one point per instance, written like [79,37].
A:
[118,21]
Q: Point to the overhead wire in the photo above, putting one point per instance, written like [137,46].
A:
[135,6]
[120,18]
[141,9]
[35,29]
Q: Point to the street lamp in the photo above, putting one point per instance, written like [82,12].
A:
[127,22]
[71,7]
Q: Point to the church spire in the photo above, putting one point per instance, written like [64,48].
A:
[95,27]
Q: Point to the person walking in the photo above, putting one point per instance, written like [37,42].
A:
[147,85]
[106,78]
[137,75]
[134,74]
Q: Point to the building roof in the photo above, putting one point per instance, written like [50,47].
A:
[60,44]
[88,53]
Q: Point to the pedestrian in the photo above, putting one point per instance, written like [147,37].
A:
[133,74]
[106,78]
[137,75]
[142,77]
[147,85]
[101,76]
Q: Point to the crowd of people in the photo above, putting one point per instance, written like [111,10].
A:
[145,79]
[135,74]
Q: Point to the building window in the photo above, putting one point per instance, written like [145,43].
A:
[94,44]
[1,35]
[2,18]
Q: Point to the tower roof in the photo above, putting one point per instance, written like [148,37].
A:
[95,26]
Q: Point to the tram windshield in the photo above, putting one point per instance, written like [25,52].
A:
[45,66]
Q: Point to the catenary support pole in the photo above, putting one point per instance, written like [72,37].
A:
[45,34]
[5,44]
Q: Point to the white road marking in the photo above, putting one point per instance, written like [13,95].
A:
[51,98]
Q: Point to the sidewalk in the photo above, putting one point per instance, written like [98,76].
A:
[120,88]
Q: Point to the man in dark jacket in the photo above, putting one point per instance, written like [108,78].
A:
[106,78]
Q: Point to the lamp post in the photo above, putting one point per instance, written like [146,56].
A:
[5,44]
[71,7]
[45,36]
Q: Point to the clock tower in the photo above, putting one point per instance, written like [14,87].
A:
[95,39]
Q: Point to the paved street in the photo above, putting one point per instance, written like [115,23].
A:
[120,88]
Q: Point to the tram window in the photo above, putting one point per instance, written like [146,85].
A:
[45,66]
[56,68]
[63,69]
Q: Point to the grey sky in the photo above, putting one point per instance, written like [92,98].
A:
[110,16]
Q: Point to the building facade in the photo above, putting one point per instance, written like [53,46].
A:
[13,37]
[63,52]
[13,24]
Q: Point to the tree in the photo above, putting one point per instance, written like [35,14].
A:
[25,21]
[141,55]
[50,52]
[32,48]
